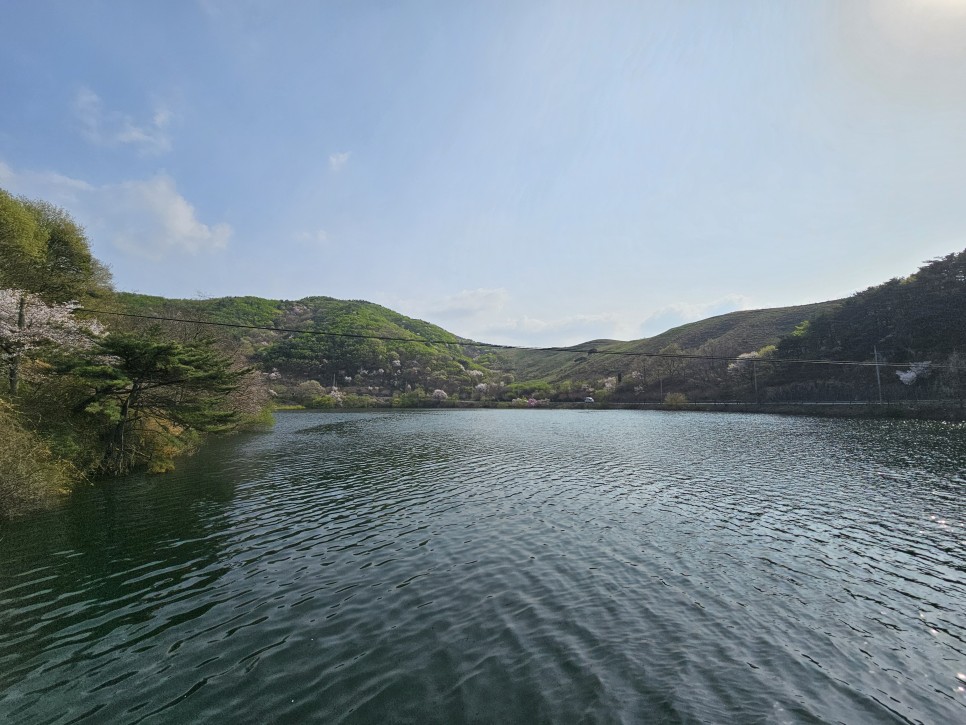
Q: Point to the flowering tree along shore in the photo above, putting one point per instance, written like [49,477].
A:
[84,398]
[27,323]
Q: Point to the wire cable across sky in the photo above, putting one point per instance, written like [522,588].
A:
[495,346]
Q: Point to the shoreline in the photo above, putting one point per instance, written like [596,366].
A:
[949,411]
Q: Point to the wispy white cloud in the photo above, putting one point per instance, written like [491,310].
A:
[35,184]
[466,313]
[111,128]
[319,236]
[339,160]
[147,218]
[470,303]
[150,218]
[566,330]
[621,324]
[491,315]
[681,313]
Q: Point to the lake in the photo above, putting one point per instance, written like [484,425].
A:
[512,566]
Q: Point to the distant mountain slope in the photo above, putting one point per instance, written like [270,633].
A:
[725,335]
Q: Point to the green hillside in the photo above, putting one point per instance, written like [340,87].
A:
[917,318]
[335,345]
[725,335]
[906,319]
[916,325]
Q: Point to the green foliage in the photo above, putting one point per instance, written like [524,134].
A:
[412,399]
[324,402]
[336,347]
[153,397]
[357,401]
[675,401]
[261,419]
[42,250]
[21,243]
[528,389]
[31,477]
[916,318]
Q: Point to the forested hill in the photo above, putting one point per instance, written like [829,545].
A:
[915,318]
[349,355]
[322,369]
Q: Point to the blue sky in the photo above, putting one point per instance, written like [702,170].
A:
[517,172]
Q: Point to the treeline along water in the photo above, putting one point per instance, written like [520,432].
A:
[505,566]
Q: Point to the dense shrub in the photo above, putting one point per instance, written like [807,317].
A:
[675,401]
[31,478]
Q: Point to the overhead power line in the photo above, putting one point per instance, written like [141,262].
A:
[490,345]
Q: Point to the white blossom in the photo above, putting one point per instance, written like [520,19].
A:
[737,367]
[42,324]
[916,370]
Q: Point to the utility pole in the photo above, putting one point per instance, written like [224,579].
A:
[754,375]
[878,379]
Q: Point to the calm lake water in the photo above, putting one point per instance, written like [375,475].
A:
[505,566]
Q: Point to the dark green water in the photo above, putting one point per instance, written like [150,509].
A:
[505,566]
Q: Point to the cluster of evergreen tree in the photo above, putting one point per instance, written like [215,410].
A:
[919,317]
[915,325]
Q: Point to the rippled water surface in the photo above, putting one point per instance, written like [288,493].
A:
[505,566]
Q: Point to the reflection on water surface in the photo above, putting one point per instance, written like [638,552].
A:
[505,566]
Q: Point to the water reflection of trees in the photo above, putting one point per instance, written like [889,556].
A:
[73,576]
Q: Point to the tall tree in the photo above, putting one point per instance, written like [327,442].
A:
[66,271]
[144,387]
[45,261]
[21,243]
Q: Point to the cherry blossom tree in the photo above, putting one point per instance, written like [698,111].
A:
[28,323]
[916,370]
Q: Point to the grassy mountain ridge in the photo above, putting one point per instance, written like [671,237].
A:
[726,335]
